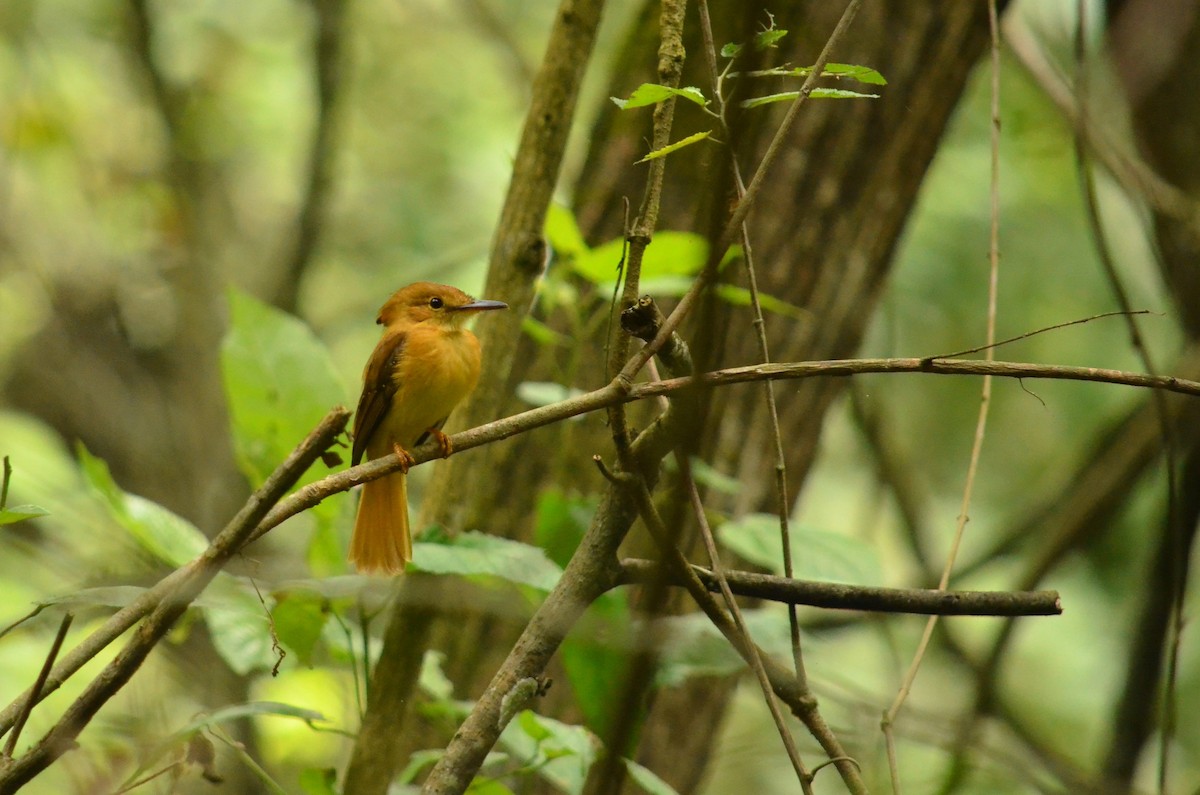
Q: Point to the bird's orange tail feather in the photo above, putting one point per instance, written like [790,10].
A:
[381,541]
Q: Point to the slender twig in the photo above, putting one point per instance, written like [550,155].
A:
[741,212]
[4,483]
[10,746]
[193,578]
[1035,332]
[803,775]
[760,327]
[985,398]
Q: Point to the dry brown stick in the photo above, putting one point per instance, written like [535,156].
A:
[194,578]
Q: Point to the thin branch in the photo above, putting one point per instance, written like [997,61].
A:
[804,776]
[190,580]
[741,212]
[837,596]
[1035,332]
[985,400]
[760,328]
[35,692]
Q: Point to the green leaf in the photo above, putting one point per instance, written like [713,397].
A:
[166,535]
[647,780]
[476,553]
[765,39]
[740,296]
[731,50]
[561,753]
[562,232]
[279,382]
[237,621]
[299,620]
[669,254]
[863,74]
[817,93]
[693,647]
[653,93]
[669,148]
[560,523]
[816,555]
[545,393]
[105,596]
[19,513]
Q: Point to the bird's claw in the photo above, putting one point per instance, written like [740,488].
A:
[406,459]
[443,442]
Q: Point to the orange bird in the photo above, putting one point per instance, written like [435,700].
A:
[425,364]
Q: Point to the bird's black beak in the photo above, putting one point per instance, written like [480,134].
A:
[480,306]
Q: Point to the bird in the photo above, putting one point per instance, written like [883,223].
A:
[425,363]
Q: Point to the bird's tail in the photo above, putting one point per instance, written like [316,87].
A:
[381,541]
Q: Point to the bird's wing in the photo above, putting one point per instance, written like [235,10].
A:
[379,386]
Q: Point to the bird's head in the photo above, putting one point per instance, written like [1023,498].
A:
[428,302]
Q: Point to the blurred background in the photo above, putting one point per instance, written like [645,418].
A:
[162,164]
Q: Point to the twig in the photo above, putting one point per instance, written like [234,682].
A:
[985,399]
[837,596]
[754,658]
[4,483]
[10,746]
[1035,332]
[760,328]
[733,226]
[194,577]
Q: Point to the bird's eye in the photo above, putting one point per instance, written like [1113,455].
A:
[436,302]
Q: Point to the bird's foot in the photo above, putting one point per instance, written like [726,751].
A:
[443,442]
[406,459]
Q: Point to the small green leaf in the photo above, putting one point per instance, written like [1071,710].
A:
[669,148]
[595,656]
[731,50]
[863,74]
[19,513]
[839,93]
[653,93]
[561,753]
[476,553]
[765,39]
[542,334]
[560,523]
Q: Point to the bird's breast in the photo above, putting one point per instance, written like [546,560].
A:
[436,370]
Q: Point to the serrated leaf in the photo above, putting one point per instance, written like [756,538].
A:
[476,553]
[162,533]
[669,148]
[19,513]
[816,555]
[279,382]
[653,93]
